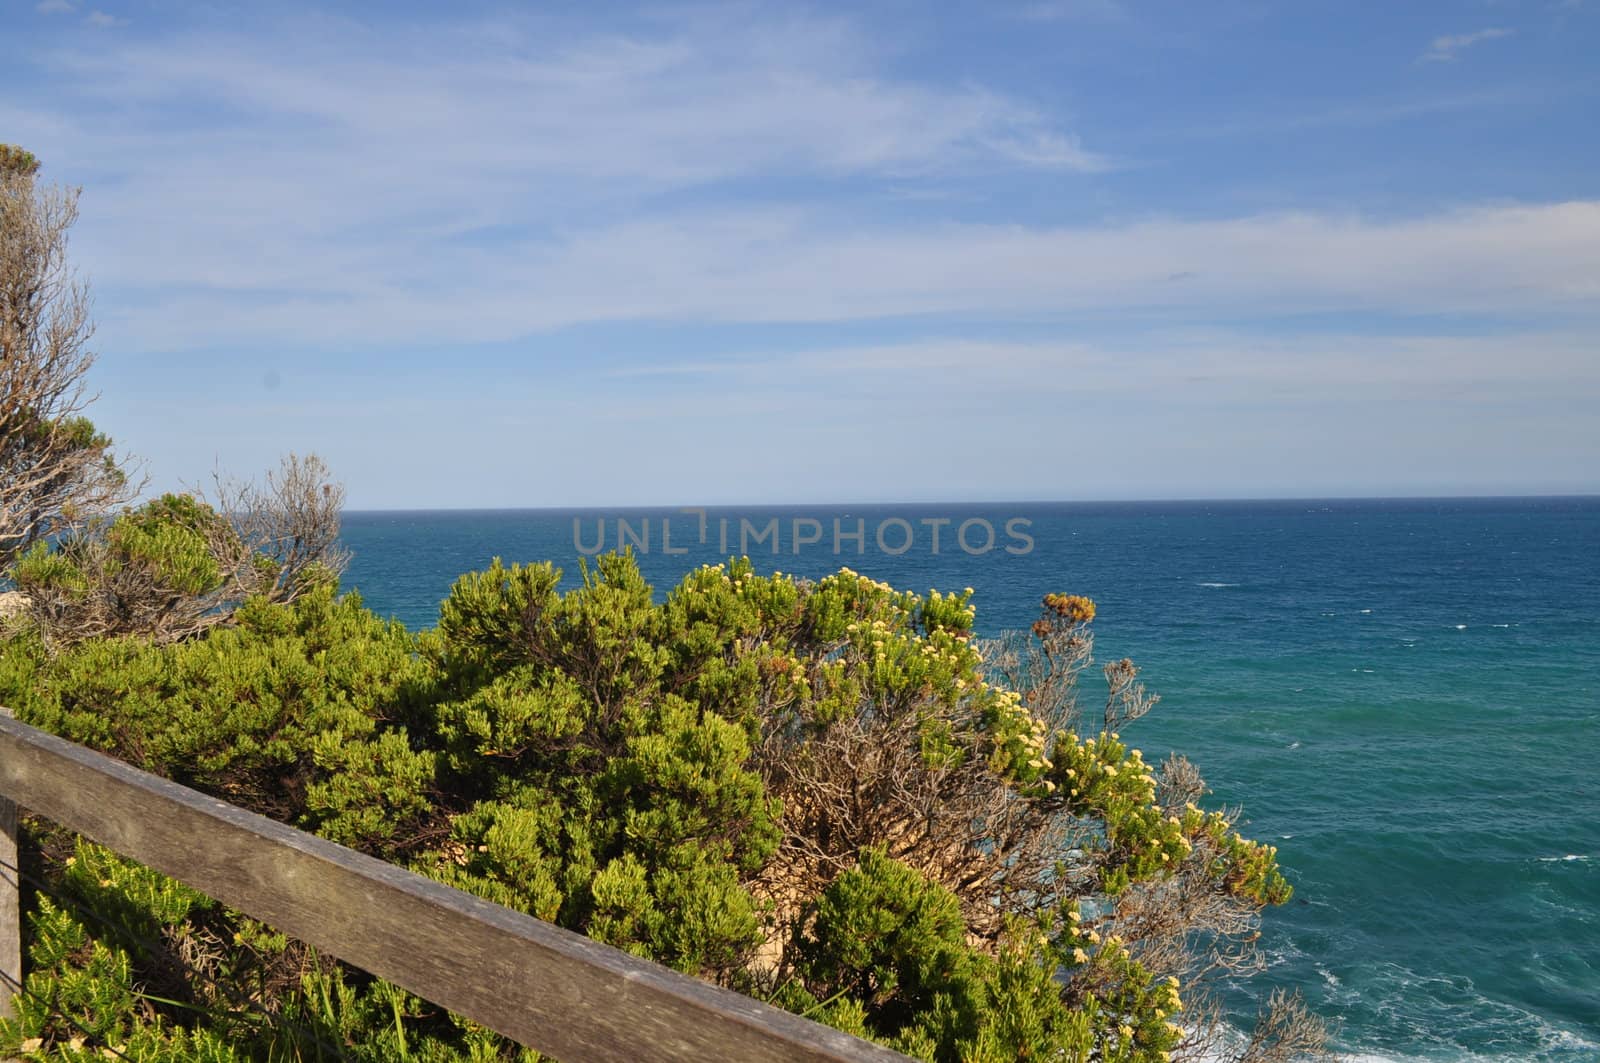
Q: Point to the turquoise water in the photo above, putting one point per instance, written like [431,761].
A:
[1403,695]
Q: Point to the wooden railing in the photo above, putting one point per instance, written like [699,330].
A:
[541,986]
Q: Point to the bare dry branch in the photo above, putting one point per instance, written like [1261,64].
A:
[56,471]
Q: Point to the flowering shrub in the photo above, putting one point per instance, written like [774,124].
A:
[826,794]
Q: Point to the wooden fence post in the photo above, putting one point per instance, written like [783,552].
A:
[10,905]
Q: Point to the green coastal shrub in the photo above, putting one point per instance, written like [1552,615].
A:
[827,794]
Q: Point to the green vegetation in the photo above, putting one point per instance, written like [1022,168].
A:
[819,793]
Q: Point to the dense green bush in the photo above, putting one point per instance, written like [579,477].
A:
[826,794]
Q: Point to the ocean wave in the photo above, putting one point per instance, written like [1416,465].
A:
[1558,1041]
[1361,1056]
[1556,1045]
[1219,584]
[1429,1014]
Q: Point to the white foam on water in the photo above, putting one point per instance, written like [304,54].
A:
[1569,858]
[1220,585]
[1366,610]
[1234,1041]
[1569,1042]
[1461,627]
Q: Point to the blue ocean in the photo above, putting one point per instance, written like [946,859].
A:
[1403,696]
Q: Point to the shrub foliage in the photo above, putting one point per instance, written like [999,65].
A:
[827,794]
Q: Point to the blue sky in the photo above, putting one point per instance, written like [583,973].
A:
[585,254]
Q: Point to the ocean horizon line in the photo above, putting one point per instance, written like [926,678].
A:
[631,507]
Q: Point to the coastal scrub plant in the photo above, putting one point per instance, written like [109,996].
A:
[56,469]
[179,564]
[828,794]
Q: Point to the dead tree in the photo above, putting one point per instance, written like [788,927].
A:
[56,470]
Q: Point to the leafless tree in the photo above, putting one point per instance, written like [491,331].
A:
[292,520]
[56,470]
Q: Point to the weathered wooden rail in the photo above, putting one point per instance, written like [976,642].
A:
[544,987]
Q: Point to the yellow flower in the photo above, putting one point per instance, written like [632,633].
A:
[1079,956]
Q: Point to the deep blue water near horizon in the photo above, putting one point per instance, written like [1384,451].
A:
[1404,696]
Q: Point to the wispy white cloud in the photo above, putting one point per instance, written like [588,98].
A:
[1450,47]
[1192,363]
[482,183]
[260,279]
[1149,411]
[725,100]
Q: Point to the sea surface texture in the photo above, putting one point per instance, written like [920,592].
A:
[1404,696]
